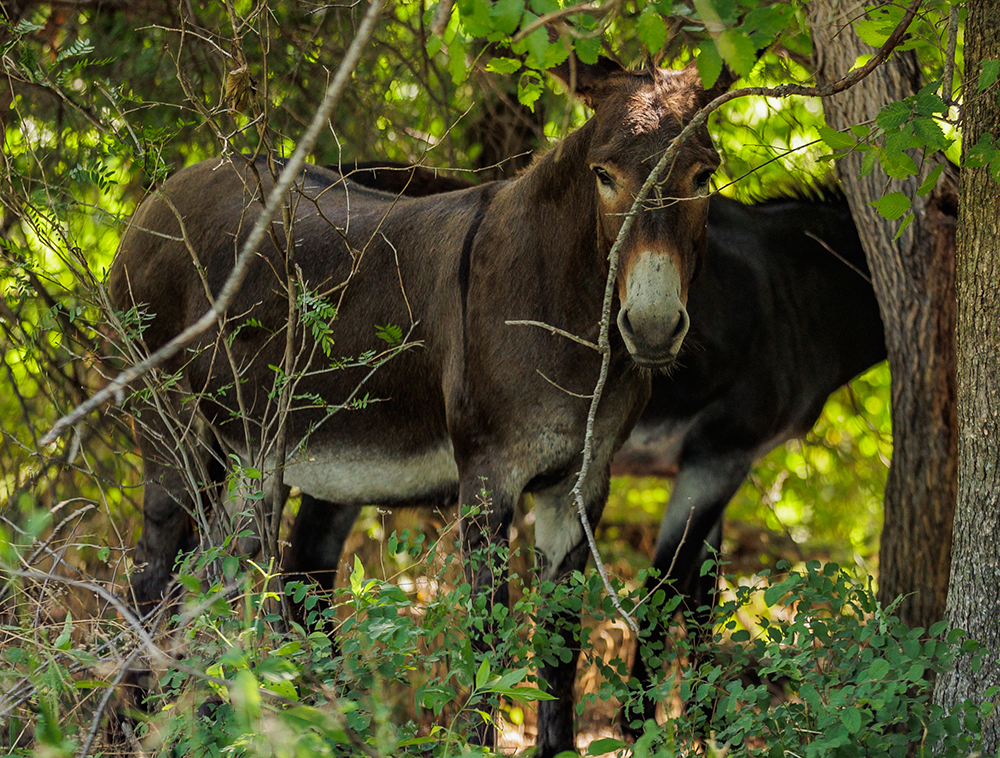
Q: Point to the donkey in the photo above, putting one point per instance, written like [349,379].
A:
[783,313]
[475,405]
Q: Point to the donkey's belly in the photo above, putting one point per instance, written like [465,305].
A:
[653,449]
[375,477]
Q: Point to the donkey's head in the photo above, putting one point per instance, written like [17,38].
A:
[636,116]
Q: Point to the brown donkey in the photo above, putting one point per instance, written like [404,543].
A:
[475,405]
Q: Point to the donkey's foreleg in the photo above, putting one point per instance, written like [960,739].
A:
[486,514]
[315,545]
[562,548]
[694,512]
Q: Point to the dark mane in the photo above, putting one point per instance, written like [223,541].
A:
[825,190]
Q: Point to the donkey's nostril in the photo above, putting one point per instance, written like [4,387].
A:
[681,329]
[625,324]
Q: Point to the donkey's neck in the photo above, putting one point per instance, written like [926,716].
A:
[562,173]
[549,219]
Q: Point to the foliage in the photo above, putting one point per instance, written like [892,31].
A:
[805,663]
[102,103]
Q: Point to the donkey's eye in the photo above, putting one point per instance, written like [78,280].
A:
[604,177]
[702,178]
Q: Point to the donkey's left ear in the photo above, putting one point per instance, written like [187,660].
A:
[586,80]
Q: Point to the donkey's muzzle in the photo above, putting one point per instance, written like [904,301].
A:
[653,321]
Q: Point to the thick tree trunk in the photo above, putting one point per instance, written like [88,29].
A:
[914,283]
[974,596]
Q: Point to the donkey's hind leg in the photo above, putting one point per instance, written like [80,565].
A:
[696,507]
[315,544]
[175,468]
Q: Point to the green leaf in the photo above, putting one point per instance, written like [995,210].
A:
[456,59]
[709,63]
[982,152]
[588,49]
[357,575]
[246,694]
[524,694]
[991,69]
[738,50]
[929,101]
[63,641]
[892,206]
[665,7]
[861,131]
[868,162]
[897,165]
[506,15]
[483,675]
[390,333]
[851,718]
[504,65]
[537,44]
[894,115]
[89,684]
[543,7]
[879,670]
[475,16]
[606,745]
[938,628]
[929,184]
[652,30]
[767,21]
[529,89]
[835,140]
[930,133]
[230,566]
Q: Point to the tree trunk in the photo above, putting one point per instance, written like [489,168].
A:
[913,278]
[974,595]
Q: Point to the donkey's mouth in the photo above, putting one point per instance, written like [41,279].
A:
[655,361]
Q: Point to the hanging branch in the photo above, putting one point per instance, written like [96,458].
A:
[235,280]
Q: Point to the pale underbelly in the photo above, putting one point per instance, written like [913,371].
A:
[361,477]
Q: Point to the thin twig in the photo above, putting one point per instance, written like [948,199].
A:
[556,330]
[249,249]
[840,258]
[561,388]
[548,18]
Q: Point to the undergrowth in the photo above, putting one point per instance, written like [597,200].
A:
[798,663]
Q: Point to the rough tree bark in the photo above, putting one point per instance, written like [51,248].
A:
[914,283]
[974,595]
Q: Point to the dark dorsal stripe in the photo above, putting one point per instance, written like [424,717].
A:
[465,259]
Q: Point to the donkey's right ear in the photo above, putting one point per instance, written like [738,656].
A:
[585,80]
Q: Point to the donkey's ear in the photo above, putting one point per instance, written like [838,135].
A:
[585,80]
